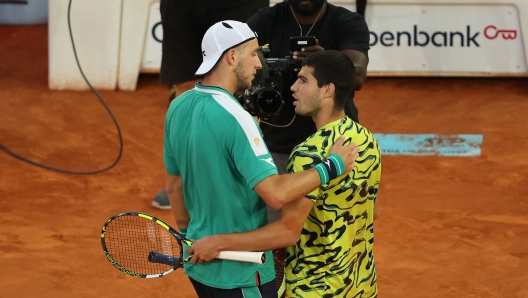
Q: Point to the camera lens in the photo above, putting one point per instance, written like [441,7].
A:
[269,101]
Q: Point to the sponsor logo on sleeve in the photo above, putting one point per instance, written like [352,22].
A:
[257,142]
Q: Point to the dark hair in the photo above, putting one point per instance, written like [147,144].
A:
[334,67]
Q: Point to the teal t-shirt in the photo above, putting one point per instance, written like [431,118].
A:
[218,150]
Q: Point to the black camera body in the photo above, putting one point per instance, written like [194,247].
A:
[264,98]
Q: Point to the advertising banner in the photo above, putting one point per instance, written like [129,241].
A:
[434,39]
[151,62]
[419,39]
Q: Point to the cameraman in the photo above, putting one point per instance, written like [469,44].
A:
[335,28]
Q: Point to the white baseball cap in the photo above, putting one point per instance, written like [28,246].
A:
[220,38]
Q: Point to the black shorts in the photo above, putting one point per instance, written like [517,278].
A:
[184,25]
[267,290]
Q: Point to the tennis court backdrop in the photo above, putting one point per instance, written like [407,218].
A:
[407,38]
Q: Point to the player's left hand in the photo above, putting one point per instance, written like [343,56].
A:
[204,250]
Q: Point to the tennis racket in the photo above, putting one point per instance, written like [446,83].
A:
[279,271]
[144,246]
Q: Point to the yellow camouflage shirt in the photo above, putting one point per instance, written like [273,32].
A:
[333,256]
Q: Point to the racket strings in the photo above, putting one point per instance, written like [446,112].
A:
[130,239]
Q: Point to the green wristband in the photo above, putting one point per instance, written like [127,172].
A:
[330,168]
[339,164]
[323,174]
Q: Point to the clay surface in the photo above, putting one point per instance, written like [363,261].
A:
[450,227]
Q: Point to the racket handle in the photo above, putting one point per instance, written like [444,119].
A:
[156,257]
[243,256]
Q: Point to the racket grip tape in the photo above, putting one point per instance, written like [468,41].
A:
[243,256]
[156,257]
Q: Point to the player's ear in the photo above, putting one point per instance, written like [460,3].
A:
[231,57]
[329,90]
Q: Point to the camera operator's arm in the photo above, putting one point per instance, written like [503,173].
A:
[360,62]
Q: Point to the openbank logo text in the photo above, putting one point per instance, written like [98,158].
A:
[417,38]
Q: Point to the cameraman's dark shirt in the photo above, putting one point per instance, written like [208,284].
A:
[338,29]
[184,24]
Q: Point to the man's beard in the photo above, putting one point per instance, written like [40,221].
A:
[317,5]
[242,82]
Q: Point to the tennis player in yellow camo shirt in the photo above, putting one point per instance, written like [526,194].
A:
[333,255]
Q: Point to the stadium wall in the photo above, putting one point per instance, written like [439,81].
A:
[116,40]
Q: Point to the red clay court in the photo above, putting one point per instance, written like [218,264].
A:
[450,227]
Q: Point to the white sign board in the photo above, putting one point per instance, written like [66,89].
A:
[414,39]
[445,38]
[151,61]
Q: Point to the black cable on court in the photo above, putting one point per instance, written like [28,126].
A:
[104,104]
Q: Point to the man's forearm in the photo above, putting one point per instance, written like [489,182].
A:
[282,233]
[361,76]
[273,236]
[279,190]
[180,212]
[266,238]
[174,189]
[360,63]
